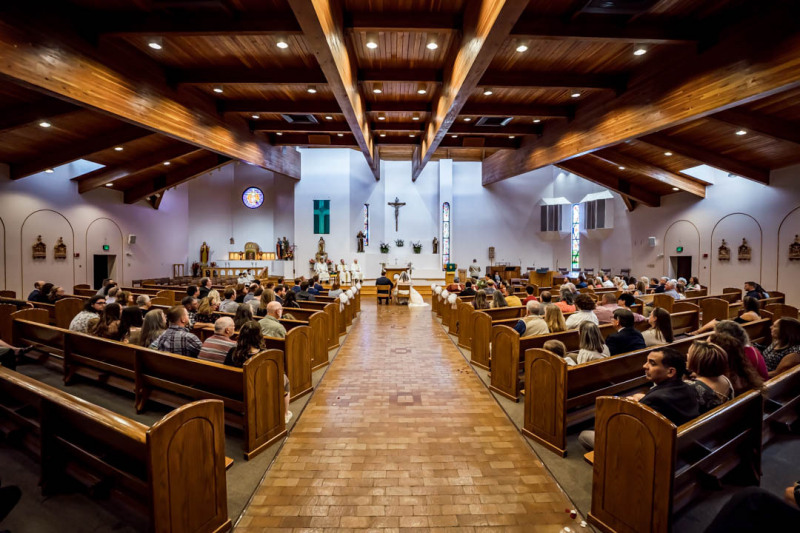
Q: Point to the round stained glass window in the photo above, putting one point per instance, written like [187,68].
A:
[253,197]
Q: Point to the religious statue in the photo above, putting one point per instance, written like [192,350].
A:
[397,204]
[279,254]
[794,249]
[204,252]
[287,250]
[724,253]
[251,251]
[435,245]
[321,255]
[39,249]
[744,251]
[60,249]
[360,239]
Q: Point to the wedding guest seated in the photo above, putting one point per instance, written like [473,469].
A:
[193,290]
[107,325]
[626,301]
[708,364]
[498,300]
[468,289]
[480,301]
[240,291]
[176,339]
[661,285]
[729,327]
[751,313]
[248,344]
[291,300]
[585,312]
[511,299]
[251,292]
[296,287]
[102,291]
[560,349]
[754,290]
[205,288]
[125,298]
[304,294]
[229,305]
[280,292]
[336,290]
[206,311]
[37,290]
[670,395]
[741,372]
[694,284]
[313,287]
[270,325]
[592,346]
[784,351]
[91,311]
[567,298]
[490,288]
[669,289]
[660,330]
[605,311]
[144,304]
[191,305]
[545,297]
[56,293]
[131,320]
[153,326]
[582,284]
[554,318]
[529,291]
[607,283]
[216,347]
[533,323]
[244,313]
[267,296]
[627,338]
[455,287]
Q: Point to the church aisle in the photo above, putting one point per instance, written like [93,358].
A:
[402,434]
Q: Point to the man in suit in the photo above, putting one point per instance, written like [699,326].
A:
[627,338]
[670,395]
[469,290]
[383,280]
[303,293]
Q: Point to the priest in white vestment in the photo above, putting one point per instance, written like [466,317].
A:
[355,271]
[344,273]
[321,270]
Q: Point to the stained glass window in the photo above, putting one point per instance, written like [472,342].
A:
[445,233]
[366,224]
[252,197]
[576,236]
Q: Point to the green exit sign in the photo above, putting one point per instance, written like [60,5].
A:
[107,248]
[679,249]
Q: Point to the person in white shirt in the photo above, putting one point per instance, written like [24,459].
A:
[591,343]
[533,323]
[474,269]
[355,271]
[607,282]
[584,312]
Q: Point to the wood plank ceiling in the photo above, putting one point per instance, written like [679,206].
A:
[625,93]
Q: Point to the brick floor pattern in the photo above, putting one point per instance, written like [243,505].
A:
[401,435]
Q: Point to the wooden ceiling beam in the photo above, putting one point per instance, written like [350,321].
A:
[417,126]
[403,75]
[278,125]
[114,84]
[22,115]
[399,107]
[510,129]
[323,28]
[762,124]
[402,21]
[479,142]
[314,140]
[757,59]
[518,110]
[632,164]
[137,25]
[555,28]
[614,82]
[101,176]
[279,107]
[75,151]
[584,168]
[243,75]
[174,177]
[487,24]
[712,159]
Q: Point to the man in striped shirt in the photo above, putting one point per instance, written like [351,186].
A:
[216,347]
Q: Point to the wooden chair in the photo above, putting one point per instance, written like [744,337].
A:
[384,292]
[403,292]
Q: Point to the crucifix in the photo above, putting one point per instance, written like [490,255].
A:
[397,204]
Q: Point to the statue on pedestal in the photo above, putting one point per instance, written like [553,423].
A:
[435,245]
[279,253]
[287,250]
[321,256]
[204,253]
[360,238]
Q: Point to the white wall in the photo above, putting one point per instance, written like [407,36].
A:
[49,205]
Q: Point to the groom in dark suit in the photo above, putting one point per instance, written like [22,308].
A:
[383,280]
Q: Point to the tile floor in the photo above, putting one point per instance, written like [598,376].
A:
[402,435]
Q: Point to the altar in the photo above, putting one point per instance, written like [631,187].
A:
[391,271]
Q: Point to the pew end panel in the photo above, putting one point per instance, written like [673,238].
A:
[186,468]
[714,309]
[30,328]
[319,340]
[634,458]
[263,397]
[781,405]
[66,309]
[779,310]
[481,326]
[545,406]
[464,331]
[505,362]
[296,349]
[6,310]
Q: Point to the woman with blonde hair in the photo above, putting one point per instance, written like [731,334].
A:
[592,345]
[155,323]
[554,319]
[207,311]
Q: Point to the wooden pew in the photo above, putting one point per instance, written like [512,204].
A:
[558,396]
[123,456]
[252,395]
[480,326]
[334,319]
[781,310]
[775,297]
[718,309]
[296,348]
[8,294]
[646,468]
[781,404]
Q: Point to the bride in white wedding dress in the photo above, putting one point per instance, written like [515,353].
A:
[414,298]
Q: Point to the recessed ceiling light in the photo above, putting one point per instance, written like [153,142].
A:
[639,50]
[49,171]
[741,132]
[167,163]
[340,134]
[109,184]
[487,91]
[383,135]
[118,148]
[155,43]
[522,48]
[467,119]
[410,134]
[282,42]
[422,88]
[218,90]
[312,89]
[621,168]
[328,117]
[432,45]
[511,136]
[372,41]
[675,189]
[279,134]
[454,136]
[667,154]
[415,116]
[537,120]
[575,95]
[45,124]
[255,117]
[381,116]
[377,88]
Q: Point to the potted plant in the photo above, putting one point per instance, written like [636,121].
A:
[399,243]
[417,247]
[384,248]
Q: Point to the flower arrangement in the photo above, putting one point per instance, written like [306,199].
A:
[384,248]
[417,247]
[399,243]
[312,261]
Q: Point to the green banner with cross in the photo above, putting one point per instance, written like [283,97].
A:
[322,216]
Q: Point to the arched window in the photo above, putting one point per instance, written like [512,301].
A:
[445,233]
[366,224]
[575,239]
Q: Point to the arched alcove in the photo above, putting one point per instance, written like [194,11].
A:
[104,231]
[733,228]
[51,225]
[681,234]
[787,271]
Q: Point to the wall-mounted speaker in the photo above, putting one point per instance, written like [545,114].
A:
[131,239]
[651,241]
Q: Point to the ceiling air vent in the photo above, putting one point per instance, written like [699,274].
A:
[300,119]
[493,121]
[617,7]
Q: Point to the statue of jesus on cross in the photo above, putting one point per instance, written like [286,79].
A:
[397,204]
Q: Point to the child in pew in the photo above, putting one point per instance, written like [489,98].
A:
[560,349]
[249,343]
[592,347]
